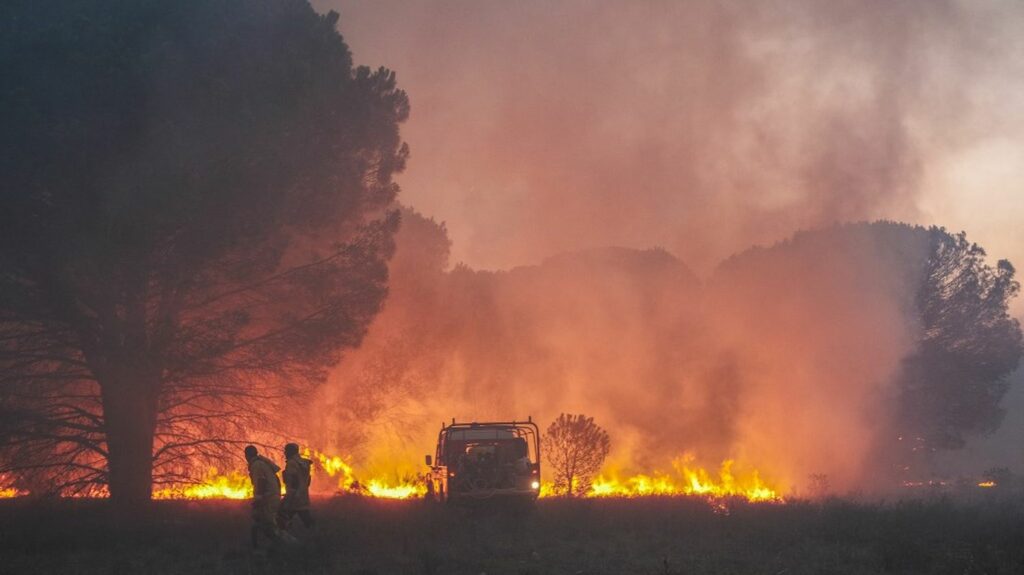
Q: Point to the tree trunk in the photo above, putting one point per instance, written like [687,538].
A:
[129,412]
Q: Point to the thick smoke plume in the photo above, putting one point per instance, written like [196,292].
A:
[703,127]
[706,128]
[789,359]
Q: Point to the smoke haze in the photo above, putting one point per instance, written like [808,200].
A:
[702,127]
[787,360]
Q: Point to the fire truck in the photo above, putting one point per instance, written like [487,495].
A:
[496,460]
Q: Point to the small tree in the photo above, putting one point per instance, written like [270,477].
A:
[576,448]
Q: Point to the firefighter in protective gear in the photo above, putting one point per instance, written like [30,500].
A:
[266,495]
[297,478]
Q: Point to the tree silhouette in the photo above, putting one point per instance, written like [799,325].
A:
[842,285]
[401,359]
[576,447]
[967,346]
[194,221]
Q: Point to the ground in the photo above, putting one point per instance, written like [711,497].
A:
[643,536]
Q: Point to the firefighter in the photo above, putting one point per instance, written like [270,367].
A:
[266,495]
[296,481]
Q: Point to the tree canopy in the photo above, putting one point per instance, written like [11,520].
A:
[967,346]
[576,447]
[194,219]
[898,331]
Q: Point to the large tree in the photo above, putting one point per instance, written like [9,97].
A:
[967,347]
[898,336]
[193,222]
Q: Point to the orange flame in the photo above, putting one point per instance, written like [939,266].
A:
[8,491]
[688,480]
[402,490]
[234,485]
[333,465]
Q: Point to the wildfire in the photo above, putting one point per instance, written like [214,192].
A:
[334,466]
[8,491]
[402,490]
[688,479]
[234,485]
[987,484]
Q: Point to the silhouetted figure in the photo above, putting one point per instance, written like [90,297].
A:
[266,495]
[297,478]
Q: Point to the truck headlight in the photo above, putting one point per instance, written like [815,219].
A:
[535,485]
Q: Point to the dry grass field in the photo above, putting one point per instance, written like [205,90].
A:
[625,536]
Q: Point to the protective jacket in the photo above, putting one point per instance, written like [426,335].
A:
[266,488]
[296,480]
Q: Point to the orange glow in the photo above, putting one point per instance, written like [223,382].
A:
[401,490]
[10,492]
[987,484]
[93,492]
[335,466]
[689,479]
[234,485]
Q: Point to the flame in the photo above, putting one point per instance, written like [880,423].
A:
[333,465]
[8,491]
[688,480]
[403,490]
[987,484]
[234,485]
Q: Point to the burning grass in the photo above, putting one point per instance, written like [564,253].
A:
[336,476]
[7,489]
[10,492]
[233,485]
[688,479]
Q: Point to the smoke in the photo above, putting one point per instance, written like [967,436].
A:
[820,325]
[786,360]
[702,127]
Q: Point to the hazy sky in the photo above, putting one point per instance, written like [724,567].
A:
[702,127]
[541,126]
